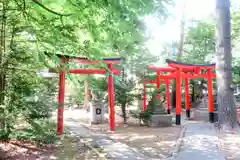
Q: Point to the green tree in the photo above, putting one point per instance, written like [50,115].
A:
[132,75]
[84,28]
[199,43]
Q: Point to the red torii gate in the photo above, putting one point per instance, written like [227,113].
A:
[159,77]
[184,71]
[83,60]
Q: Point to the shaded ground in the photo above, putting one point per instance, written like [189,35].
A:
[153,142]
[67,148]
[16,150]
[230,145]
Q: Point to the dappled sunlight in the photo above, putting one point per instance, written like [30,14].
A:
[138,137]
[197,139]
[169,143]
[150,149]
[153,142]
[118,137]
[201,141]
[230,145]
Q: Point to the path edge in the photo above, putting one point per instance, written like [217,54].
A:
[179,141]
[219,143]
[96,145]
[88,144]
[108,137]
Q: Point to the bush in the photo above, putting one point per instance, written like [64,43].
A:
[6,123]
[40,131]
[27,98]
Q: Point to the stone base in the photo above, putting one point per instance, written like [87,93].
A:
[164,120]
[95,122]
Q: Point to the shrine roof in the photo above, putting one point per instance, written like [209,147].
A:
[176,64]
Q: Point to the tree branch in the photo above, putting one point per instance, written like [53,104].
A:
[49,10]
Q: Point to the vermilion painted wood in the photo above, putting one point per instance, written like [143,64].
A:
[144,97]
[174,68]
[156,69]
[186,94]
[158,80]
[171,69]
[61,103]
[210,92]
[199,76]
[83,61]
[173,76]
[158,84]
[112,124]
[178,93]
[187,67]
[110,62]
[184,71]
[92,71]
[168,95]
[182,65]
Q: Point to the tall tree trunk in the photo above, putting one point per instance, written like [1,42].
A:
[226,105]
[179,51]
[182,30]
[124,114]
[2,51]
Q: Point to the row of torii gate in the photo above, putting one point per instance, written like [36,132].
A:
[181,72]
[176,70]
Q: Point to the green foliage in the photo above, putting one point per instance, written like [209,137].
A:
[236,71]
[94,29]
[27,97]
[6,123]
[235,22]
[30,94]
[199,42]
[40,131]
[99,87]
[145,115]
[123,94]
[235,37]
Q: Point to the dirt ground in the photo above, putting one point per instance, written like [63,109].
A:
[67,148]
[17,150]
[153,142]
[157,143]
